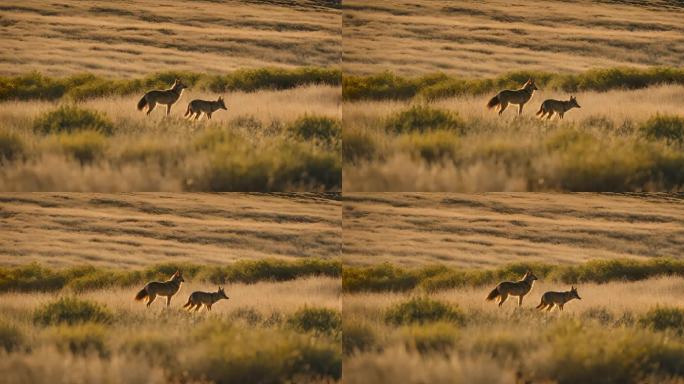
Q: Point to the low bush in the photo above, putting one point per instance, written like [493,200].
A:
[81,339]
[70,310]
[84,146]
[11,146]
[357,337]
[664,127]
[70,118]
[358,145]
[423,310]
[421,118]
[11,338]
[318,320]
[319,128]
[438,337]
[664,319]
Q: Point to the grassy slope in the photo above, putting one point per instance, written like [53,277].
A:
[138,38]
[489,38]
[496,229]
[143,229]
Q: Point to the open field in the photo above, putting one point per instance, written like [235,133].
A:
[137,230]
[128,39]
[619,140]
[72,264]
[419,266]
[483,38]
[267,140]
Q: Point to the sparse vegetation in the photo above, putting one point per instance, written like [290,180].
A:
[421,310]
[71,310]
[70,118]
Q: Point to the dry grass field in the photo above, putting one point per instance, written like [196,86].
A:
[628,327]
[126,39]
[137,230]
[485,38]
[421,73]
[72,264]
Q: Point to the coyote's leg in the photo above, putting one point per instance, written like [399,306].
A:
[209,115]
[520,107]
[502,107]
[550,115]
[151,106]
[150,298]
[550,307]
[561,115]
[188,304]
[560,306]
[197,116]
[199,305]
[208,307]
[541,305]
[168,301]
[168,109]
[502,298]
[520,300]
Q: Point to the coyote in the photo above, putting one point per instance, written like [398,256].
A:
[549,299]
[520,97]
[517,288]
[167,288]
[558,106]
[167,97]
[196,107]
[207,298]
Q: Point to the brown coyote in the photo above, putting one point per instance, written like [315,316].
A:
[196,107]
[167,288]
[207,298]
[517,288]
[167,97]
[558,106]
[520,97]
[549,299]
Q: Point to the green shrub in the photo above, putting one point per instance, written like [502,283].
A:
[11,146]
[358,145]
[357,337]
[247,314]
[433,338]
[384,277]
[423,310]
[664,318]
[227,354]
[155,348]
[320,128]
[664,127]
[319,320]
[384,85]
[85,146]
[421,118]
[71,311]
[11,338]
[81,339]
[70,118]
[432,146]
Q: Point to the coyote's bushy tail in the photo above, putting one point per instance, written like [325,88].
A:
[541,110]
[142,103]
[493,102]
[141,295]
[187,111]
[493,294]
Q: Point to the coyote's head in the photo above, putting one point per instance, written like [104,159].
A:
[221,103]
[177,276]
[573,292]
[178,85]
[573,102]
[529,276]
[530,85]
[222,293]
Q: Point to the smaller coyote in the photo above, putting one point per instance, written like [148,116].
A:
[549,299]
[508,96]
[558,106]
[167,97]
[513,288]
[167,288]
[196,107]
[207,298]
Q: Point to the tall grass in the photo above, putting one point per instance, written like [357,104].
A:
[387,85]
[35,277]
[35,85]
[387,277]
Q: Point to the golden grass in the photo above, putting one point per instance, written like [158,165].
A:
[137,38]
[511,153]
[138,230]
[484,230]
[474,38]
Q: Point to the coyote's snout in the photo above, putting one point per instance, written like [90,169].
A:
[514,288]
[157,288]
[549,299]
[552,106]
[519,97]
[198,298]
[196,107]
[166,97]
